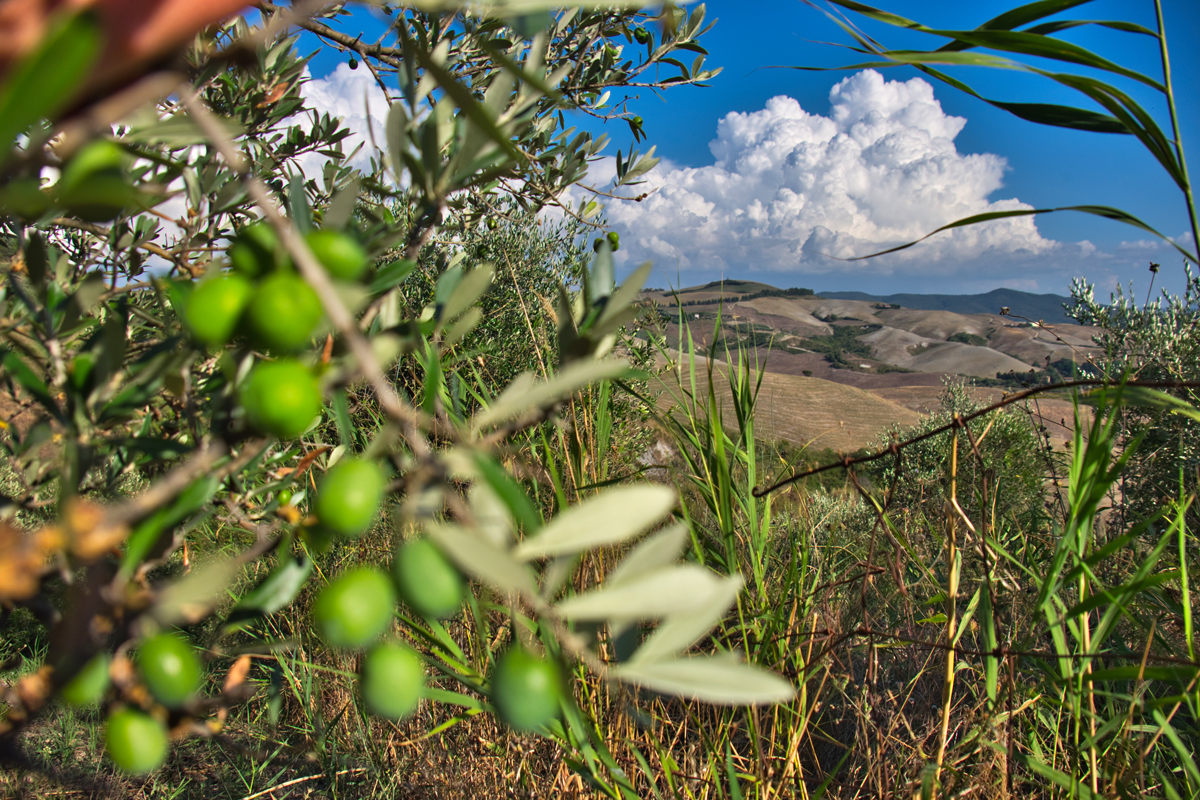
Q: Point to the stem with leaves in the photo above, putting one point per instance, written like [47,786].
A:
[1188,196]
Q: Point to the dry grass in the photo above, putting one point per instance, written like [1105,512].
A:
[810,411]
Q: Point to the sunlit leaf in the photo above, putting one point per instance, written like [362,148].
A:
[650,596]
[524,395]
[721,679]
[680,631]
[481,558]
[613,516]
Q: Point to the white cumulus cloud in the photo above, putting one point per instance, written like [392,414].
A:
[789,187]
[355,98]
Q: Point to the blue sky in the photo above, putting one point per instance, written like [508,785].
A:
[740,214]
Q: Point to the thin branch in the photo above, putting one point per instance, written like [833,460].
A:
[408,417]
[958,422]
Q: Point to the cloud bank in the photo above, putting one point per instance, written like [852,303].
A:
[789,188]
[355,98]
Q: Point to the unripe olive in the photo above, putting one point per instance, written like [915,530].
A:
[353,63]
[355,608]
[89,683]
[492,224]
[342,256]
[136,742]
[214,307]
[428,582]
[170,668]
[349,495]
[526,690]
[282,313]
[253,252]
[641,35]
[391,680]
[281,397]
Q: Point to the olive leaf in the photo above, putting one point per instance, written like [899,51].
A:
[722,680]
[525,395]
[480,557]
[652,595]
[613,516]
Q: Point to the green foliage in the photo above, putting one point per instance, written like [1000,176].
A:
[227,399]
[1156,341]
[1005,483]
[842,347]
[972,339]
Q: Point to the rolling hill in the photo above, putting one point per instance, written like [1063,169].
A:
[837,365]
[1046,307]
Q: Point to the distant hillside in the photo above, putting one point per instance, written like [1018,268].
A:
[729,285]
[1047,307]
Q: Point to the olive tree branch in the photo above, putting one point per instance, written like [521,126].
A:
[408,417]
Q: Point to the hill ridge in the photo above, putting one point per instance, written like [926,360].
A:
[1045,307]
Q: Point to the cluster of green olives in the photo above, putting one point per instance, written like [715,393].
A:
[264,299]
[614,242]
[169,668]
[355,610]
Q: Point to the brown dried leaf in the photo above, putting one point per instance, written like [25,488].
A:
[34,689]
[277,91]
[22,558]
[237,674]
[309,458]
[89,535]
[289,513]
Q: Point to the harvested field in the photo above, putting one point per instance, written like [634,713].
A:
[964,359]
[808,411]
[939,325]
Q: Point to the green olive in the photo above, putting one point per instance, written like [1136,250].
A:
[170,668]
[136,742]
[349,495]
[342,256]
[214,307]
[428,582]
[391,681]
[281,398]
[355,608]
[282,313]
[526,690]
[88,684]
[254,250]
[641,35]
